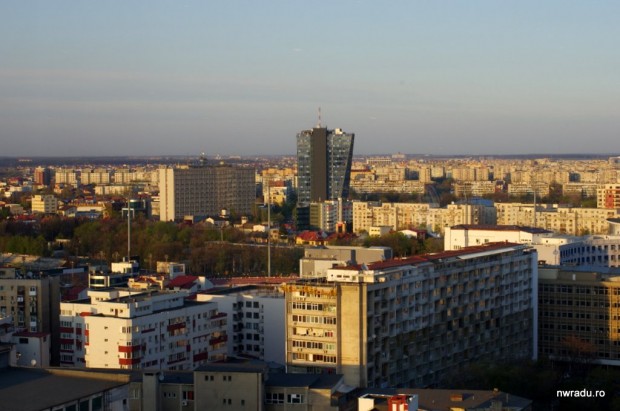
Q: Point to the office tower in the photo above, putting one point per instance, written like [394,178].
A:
[414,321]
[323,164]
[579,317]
[205,190]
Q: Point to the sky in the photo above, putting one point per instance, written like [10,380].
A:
[149,77]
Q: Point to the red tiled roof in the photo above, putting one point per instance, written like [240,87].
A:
[182,281]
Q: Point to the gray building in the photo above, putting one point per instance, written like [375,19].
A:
[324,160]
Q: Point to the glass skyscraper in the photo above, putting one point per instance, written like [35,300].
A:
[324,160]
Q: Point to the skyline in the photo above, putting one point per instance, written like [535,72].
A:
[156,78]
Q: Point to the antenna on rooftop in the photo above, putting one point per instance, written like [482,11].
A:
[319,123]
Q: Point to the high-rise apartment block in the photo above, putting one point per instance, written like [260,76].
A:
[205,190]
[324,159]
[410,322]
[128,329]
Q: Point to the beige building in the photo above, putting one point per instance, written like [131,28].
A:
[568,220]
[44,204]
[95,176]
[410,215]
[205,190]
[128,329]
[66,176]
[411,321]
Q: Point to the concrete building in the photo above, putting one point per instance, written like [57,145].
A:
[414,399]
[66,176]
[127,329]
[552,249]
[95,176]
[28,389]
[205,190]
[566,220]
[237,385]
[608,196]
[324,159]
[466,235]
[578,315]
[44,204]
[317,260]
[32,301]
[255,326]
[42,176]
[411,215]
[411,321]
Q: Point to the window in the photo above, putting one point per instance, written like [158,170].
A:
[295,399]
[274,398]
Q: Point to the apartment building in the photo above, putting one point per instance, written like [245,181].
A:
[552,249]
[409,322]
[407,215]
[568,220]
[579,315]
[128,329]
[95,176]
[66,176]
[255,327]
[32,302]
[44,204]
[608,196]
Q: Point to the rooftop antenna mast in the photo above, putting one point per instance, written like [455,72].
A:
[128,230]
[319,123]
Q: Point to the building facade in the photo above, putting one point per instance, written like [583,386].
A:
[409,322]
[205,190]
[125,329]
[579,316]
[32,302]
[324,159]
[44,204]
[256,326]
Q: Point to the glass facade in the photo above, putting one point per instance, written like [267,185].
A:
[324,160]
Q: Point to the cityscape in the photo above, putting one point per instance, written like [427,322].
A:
[409,206]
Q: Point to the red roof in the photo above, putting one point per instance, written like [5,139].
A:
[183,281]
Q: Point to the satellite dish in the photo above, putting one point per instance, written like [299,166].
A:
[161,376]
[33,362]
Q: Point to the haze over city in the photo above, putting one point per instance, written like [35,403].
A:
[242,78]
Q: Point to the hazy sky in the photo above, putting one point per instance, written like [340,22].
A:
[243,77]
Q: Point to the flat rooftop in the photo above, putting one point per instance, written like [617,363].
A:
[26,389]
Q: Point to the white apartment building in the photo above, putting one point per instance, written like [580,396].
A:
[125,329]
[552,249]
[45,204]
[256,320]
[95,176]
[409,322]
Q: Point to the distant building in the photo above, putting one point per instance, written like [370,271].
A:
[324,159]
[44,204]
[205,190]
[608,196]
[42,176]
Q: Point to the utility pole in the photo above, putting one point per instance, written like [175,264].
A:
[268,229]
